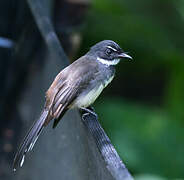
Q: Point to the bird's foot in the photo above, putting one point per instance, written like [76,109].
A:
[87,111]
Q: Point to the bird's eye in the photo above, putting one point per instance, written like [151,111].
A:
[108,51]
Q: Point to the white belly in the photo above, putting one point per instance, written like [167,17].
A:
[85,100]
[88,99]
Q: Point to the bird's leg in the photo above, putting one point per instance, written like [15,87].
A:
[89,110]
[92,109]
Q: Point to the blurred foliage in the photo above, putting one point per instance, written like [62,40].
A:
[144,116]
[146,137]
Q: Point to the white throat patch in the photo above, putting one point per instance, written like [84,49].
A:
[108,63]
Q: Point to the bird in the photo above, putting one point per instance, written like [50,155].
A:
[76,86]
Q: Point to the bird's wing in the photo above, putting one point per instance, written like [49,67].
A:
[52,110]
[67,86]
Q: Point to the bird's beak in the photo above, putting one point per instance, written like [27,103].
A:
[124,55]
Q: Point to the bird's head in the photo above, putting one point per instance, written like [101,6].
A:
[108,52]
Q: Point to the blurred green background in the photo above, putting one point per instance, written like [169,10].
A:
[142,110]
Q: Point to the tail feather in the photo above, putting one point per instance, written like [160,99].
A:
[29,140]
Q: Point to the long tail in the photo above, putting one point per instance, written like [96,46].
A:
[30,140]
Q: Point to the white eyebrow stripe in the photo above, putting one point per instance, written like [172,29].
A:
[111,48]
